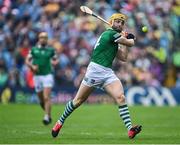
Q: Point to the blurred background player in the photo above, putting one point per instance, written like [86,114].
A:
[100,75]
[39,60]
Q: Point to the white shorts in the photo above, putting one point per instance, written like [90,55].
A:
[98,76]
[43,81]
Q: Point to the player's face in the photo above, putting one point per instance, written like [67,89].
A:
[118,25]
[43,40]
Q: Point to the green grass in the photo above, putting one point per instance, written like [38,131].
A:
[90,124]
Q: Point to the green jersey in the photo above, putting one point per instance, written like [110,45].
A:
[41,56]
[106,48]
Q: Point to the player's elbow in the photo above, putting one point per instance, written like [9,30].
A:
[54,62]
[124,59]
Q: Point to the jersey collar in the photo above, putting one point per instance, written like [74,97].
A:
[40,46]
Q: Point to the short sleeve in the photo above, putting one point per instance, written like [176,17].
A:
[115,36]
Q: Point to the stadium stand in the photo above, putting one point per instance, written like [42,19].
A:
[153,61]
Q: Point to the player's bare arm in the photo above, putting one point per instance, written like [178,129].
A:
[122,53]
[54,60]
[124,41]
[28,61]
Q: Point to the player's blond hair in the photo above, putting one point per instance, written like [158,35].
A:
[117,16]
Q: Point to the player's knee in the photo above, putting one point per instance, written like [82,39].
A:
[120,99]
[46,99]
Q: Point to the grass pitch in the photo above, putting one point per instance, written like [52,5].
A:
[89,124]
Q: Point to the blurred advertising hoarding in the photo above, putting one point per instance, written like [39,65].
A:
[135,95]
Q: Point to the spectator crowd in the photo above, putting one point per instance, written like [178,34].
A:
[153,61]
